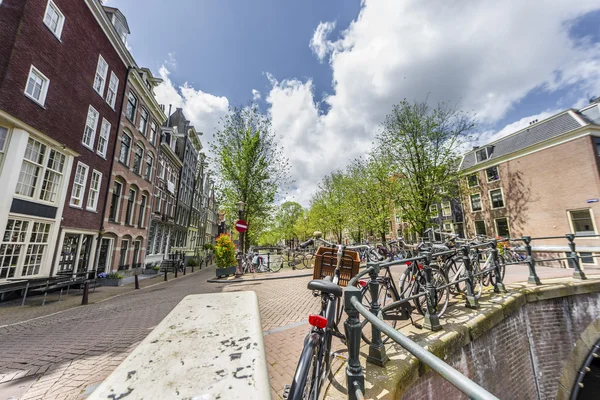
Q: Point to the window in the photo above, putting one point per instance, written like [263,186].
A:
[492,174]
[483,154]
[143,121]
[582,223]
[124,250]
[94,190]
[3,142]
[37,86]
[54,19]
[153,128]
[496,198]
[598,146]
[15,236]
[125,145]
[100,77]
[79,183]
[586,257]
[502,228]
[138,156]
[162,169]
[131,105]
[433,210]
[130,210]
[142,213]
[157,200]
[480,228]
[115,202]
[446,209]
[472,180]
[36,249]
[447,227]
[103,139]
[113,88]
[475,202]
[149,161]
[91,124]
[41,172]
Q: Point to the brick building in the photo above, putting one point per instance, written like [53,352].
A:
[127,213]
[196,234]
[62,72]
[540,181]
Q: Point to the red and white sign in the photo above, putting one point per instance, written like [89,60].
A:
[241,226]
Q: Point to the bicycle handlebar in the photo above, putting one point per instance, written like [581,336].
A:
[307,243]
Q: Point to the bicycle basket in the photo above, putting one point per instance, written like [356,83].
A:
[326,259]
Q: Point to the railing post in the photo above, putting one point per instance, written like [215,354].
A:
[377,353]
[165,275]
[533,278]
[471,299]
[137,282]
[352,325]
[431,320]
[25,294]
[86,290]
[574,259]
[498,284]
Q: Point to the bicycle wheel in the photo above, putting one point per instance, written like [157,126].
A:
[305,384]
[501,267]
[442,297]
[276,265]
[486,278]
[386,296]
[308,260]
[298,261]
[451,270]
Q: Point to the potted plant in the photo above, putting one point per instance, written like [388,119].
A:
[112,279]
[192,262]
[152,270]
[225,256]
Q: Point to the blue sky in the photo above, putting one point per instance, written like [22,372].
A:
[329,71]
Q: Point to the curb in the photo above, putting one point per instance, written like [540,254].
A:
[269,278]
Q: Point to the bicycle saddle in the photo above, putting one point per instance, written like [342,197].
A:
[325,286]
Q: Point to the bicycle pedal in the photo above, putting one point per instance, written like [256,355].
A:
[339,356]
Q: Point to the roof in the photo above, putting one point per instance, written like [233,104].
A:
[549,128]
[119,14]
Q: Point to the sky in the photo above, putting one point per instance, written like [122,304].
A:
[328,72]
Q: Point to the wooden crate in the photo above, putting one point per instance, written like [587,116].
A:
[326,259]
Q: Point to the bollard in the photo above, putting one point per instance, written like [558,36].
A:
[352,326]
[498,284]
[471,299]
[60,294]
[46,292]
[431,320]
[86,290]
[533,278]
[574,259]
[166,275]
[25,294]
[184,268]
[175,267]
[137,282]
[377,354]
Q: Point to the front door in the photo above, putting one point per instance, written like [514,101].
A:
[69,252]
[84,253]
[104,256]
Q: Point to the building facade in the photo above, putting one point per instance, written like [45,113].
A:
[127,212]
[541,181]
[447,216]
[62,68]
[196,230]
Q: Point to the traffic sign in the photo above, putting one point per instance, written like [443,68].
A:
[241,226]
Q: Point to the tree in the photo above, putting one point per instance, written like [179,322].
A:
[286,217]
[329,204]
[249,167]
[422,145]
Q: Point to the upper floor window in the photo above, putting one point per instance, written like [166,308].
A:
[582,222]
[496,198]
[91,124]
[153,129]
[143,121]
[54,19]
[113,88]
[472,180]
[131,105]
[475,202]
[149,161]
[95,183]
[103,139]
[433,210]
[446,209]
[3,142]
[492,174]
[37,86]
[115,202]
[502,228]
[480,228]
[138,156]
[41,172]
[79,183]
[142,213]
[483,154]
[125,146]
[100,78]
[130,210]
[597,141]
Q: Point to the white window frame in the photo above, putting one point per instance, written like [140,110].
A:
[487,179]
[451,230]
[44,89]
[105,136]
[118,207]
[449,207]
[573,226]
[475,174]
[60,22]
[126,252]
[153,133]
[433,210]
[475,226]
[25,244]
[471,202]
[496,225]
[487,154]
[491,202]
[83,186]
[94,193]
[111,93]
[131,219]
[144,121]
[594,262]
[127,157]
[101,90]
[92,136]
[4,145]
[138,146]
[148,176]
[142,216]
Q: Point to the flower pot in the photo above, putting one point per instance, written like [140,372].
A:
[223,272]
[112,282]
[150,271]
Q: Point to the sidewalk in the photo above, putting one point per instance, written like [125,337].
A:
[284,273]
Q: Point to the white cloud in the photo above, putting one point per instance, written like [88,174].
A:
[483,57]
[255,95]
[203,109]
[319,43]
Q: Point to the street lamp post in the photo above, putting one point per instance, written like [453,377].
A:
[241,253]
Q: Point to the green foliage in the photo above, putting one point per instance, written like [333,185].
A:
[208,246]
[250,167]
[156,267]
[114,275]
[192,262]
[225,251]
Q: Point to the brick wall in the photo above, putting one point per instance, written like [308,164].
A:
[522,357]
